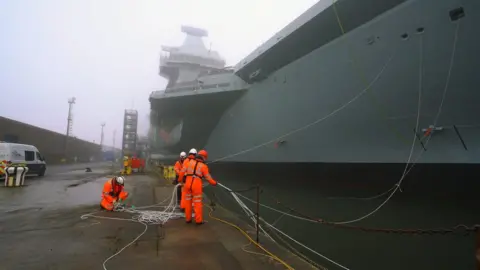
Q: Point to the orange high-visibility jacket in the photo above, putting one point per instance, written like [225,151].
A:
[111,193]
[178,166]
[195,169]
[185,164]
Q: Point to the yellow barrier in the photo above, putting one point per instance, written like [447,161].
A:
[169,173]
[3,166]
[127,166]
[126,170]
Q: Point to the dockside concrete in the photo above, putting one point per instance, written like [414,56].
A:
[56,238]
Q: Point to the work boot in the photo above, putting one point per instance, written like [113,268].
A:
[188,221]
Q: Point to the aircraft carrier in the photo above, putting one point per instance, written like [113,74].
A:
[331,113]
[350,82]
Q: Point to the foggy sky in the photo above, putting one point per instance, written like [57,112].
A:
[106,53]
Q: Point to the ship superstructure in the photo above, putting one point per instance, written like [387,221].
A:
[183,65]
[199,89]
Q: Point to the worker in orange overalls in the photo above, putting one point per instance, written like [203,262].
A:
[113,191]
[194,172]
[178,168]
[192,154]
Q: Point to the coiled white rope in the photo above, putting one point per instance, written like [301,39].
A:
[149,217]
[144,217]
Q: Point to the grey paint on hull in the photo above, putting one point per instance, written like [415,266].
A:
[378,126]
[324,27]
[200,114]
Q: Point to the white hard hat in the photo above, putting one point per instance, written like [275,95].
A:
[183,154]
[120,180]
[193,151]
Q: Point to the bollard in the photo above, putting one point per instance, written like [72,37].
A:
[15,176]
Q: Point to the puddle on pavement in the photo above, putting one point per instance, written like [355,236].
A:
[22,210]
[83,171]
[52,195]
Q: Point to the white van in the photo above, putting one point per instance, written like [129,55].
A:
[25,154]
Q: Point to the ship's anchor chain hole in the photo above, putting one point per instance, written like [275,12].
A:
[372,39]
[420,30]
[254,74]
[456,14]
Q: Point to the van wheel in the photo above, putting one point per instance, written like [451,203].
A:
[42,173]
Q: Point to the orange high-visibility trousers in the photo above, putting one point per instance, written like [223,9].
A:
[182,200]
[195,170]
[197,207]
[107,201]
[193,194]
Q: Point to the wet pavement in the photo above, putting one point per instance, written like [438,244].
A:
[56,190]
[55,169]
[41,228]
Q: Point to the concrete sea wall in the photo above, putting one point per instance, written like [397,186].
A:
[51,144]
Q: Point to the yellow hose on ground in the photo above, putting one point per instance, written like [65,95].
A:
[250,239]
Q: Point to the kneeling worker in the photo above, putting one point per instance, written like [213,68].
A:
[178,168]
[113,191]
[194,172]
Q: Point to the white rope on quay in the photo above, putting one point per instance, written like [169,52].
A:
[144,217]
[245,208]
[251,215]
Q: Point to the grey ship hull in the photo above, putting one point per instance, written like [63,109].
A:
[360,150]
[197,121]
[378,126]
[350,98]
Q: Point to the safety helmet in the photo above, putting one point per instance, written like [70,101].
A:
[183,154]
[203,154]
[193,151]
[120,180]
